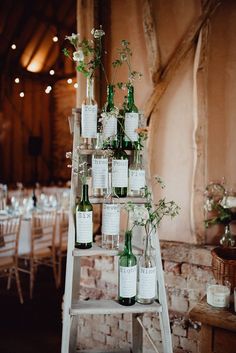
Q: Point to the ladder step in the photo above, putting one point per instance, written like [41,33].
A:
[98,250]
[104,351]
[96,307]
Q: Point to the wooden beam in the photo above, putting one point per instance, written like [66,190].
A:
[152,45]
[199,179]
[170,69]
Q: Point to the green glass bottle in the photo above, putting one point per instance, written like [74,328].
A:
[120,168]
[131,122]
[127,285]
[109,121]
[84,221]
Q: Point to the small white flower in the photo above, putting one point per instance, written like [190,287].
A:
[97,33]
[228,202]
[73,39]
[78,55]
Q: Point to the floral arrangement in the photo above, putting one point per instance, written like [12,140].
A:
[87,53]
[83,171]
[219,204]
[151,214]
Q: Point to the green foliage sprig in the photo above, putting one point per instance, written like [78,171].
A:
[151,214]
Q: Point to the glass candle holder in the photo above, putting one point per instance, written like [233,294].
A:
[218,295]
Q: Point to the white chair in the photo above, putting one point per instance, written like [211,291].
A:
[43,250]
[61,247]
[9,237]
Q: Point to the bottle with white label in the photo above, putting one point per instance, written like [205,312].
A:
[119,171]
[99,170]
[110,219]
[84,221]
[127,286]
[109,120]
[131,120]
[147,276]
[137,180]
[89,116]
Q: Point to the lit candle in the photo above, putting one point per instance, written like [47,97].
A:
[218,295]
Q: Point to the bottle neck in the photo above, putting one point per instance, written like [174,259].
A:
[110,96]
[130,96]
[90,89]
[148,247]
[84,196]
[128,241]
[137,157]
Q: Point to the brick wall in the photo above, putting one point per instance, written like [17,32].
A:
[187,269]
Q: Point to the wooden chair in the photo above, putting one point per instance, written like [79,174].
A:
[62,245]
[9,237]
[43,251]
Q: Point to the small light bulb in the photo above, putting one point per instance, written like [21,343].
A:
[17,80]
[69,81]
[51,72]
[55,39]
[13,46]
[48,89]
[76,85]
[22,94]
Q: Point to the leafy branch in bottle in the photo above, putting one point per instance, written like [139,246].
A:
[125,55]
[151,214]
[87,53]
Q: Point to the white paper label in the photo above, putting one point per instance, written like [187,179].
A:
[109,126]
[147,282]
[136,179]
[128,281]
[119,173]
[100,172]
[131,124]
[111,219]
[89,121]
[84,227]
[218,295]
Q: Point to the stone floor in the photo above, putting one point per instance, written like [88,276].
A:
[35,326]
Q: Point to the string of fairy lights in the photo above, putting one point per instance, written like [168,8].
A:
[51,72]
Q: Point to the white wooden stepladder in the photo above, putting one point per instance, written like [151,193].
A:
[73,306]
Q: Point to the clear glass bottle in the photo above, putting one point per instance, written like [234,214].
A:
[227,239]
[109,121]
[147,277]
[127,284]
[110,219]
[89,116]
[84,221]
[99,170]
[137,179]
[131,120]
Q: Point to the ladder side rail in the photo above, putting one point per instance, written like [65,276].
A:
[164,314]
[69,277]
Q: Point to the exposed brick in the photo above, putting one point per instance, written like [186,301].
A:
[117,333]
[104,263]
[178,330]
[179,304]
[124,325]
[112,341]
[200,256]
[193,334]
[94,273]
[173,280]
[154,334]
[147,321]
[88,282]
[87,262]
[188,345]
[99,337]
[105,329]
[110,277]
[170,266]
[175,340]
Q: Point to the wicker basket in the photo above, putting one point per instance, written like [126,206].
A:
[224,265]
